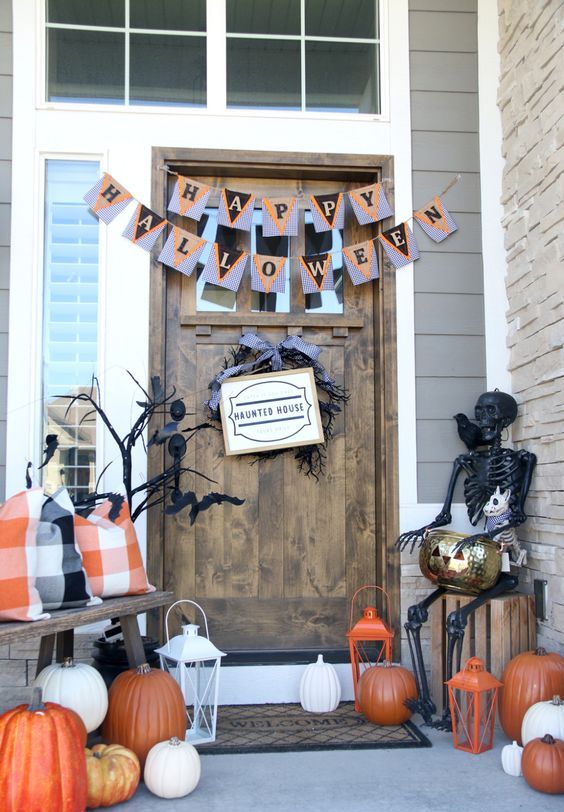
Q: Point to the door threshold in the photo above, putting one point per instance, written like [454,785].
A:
[276,683]
[284,656]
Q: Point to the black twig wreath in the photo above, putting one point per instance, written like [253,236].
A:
[254,355]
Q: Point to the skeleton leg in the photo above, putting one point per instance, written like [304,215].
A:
[416,616]
[456,626]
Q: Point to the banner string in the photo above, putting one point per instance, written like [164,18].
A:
[453,181]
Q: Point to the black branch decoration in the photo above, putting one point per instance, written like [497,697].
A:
[164,486]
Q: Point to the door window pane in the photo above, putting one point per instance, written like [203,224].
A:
[209,297]
[328,301]
[85,65]
[342,18]
[87,12]
[342,77]
[265,17]
[70,321]
[168,15]
[263,73]
[271,247]
[167,69]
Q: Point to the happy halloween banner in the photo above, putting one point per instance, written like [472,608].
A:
[225,265]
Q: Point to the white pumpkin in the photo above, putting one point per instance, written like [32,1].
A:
[320,689]
[77,686]
[172,769]
[511,759]
[542,718]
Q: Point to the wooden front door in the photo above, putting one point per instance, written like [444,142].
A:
[278,573]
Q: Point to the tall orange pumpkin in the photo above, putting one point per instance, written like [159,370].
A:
[382,692]
[43,766]
[145,706]
[532,676]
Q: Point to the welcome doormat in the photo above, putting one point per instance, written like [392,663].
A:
[287,728]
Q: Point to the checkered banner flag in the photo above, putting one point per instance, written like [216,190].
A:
[225,267]
[370,204]
[399,244]
[189,198]
[267,274]
[182,250]
[236,209]
[361,261]
[317,273]
[280,217]
[328,211]
[145,227]
[107,198]
[435,220]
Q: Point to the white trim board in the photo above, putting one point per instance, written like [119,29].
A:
[259,684]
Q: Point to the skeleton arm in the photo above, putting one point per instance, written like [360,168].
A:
[414,537]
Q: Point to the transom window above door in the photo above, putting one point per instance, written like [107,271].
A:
[294,55]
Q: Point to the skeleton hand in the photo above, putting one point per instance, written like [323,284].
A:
[466,542]
[413,537]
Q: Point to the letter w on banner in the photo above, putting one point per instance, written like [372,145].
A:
[189,198]
[361,261]
[280,217]
[267,274]
[370,204]
[107,198]
[236,209]
[225,267]
[399,244]
[435,220]
[182,250]
[317,273]
[328,211]
[144,227]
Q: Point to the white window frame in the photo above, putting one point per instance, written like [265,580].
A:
[216,68]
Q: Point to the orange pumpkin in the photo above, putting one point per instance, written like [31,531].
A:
[113,774]
[145,706]
[532,676]
[43,767]
[382,692]
[542,764]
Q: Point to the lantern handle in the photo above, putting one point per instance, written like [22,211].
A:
[370,586]
[184,600]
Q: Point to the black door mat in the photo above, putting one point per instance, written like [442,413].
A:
[289,728]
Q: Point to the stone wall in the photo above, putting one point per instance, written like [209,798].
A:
[531,46]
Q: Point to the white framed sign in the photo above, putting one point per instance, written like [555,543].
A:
[274,410]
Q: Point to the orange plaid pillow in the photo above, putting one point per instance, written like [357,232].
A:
[19,519]
[110,553]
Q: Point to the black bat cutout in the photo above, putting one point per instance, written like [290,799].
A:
[51,445]
[210,499]
[160,435]
[117,501]
[180,501]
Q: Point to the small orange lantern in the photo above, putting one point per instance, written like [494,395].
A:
[472,695]
[368,630]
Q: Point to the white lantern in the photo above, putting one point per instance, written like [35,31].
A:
[194,663]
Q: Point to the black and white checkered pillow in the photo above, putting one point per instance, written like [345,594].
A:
[60,580]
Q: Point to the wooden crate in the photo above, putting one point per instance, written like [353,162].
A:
[496,632]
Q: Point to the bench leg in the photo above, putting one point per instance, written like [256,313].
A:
[65,644]
[45,657]
[132,640]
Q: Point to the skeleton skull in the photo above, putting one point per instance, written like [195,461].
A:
[495,411]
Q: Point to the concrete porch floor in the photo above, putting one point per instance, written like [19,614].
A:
[433,779]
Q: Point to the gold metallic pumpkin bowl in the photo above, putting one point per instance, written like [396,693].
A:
[473,569]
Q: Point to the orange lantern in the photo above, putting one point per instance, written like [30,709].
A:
[368,630]
[472,695]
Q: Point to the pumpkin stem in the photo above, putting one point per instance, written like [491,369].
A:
[556,700]
[68,662]
[540,652]
[548,739]
[144,668]
[36,703]
[174,741]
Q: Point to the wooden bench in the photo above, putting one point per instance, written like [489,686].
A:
[59,628]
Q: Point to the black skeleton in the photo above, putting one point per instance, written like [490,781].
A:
[487,466]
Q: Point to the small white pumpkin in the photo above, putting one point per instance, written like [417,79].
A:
[320,689]
[172,769]
[542,718]
[77,686]
[511,759]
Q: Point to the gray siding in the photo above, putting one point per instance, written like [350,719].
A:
[5,212]
[449,308]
